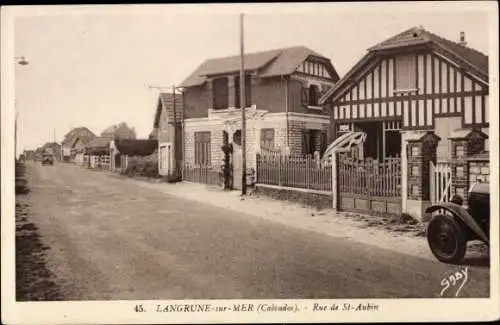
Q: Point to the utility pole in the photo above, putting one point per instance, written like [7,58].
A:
[243,120]
[172,152]
[15,135]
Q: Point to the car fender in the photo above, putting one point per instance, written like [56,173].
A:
[461,213]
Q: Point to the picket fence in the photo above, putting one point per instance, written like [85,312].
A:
[294,171]
[100,162]
[204,174]
[370,177]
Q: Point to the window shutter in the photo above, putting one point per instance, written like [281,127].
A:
[305,96]
[323,142]
[305,142]
[248,90]
[208,153]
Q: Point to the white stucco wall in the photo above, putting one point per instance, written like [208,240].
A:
[443,128]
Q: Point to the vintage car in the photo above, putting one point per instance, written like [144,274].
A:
[454,224]
[47,159]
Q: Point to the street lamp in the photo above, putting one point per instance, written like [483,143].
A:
[21,61]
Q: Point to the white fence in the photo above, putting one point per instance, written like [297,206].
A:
[441,181]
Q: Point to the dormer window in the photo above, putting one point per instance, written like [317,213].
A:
[313,95]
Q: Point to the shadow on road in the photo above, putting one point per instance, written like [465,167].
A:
[480,261]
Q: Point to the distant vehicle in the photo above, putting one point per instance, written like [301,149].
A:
[449,231]
[47,159]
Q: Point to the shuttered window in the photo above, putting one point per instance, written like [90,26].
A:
[313,95]
[267,138]
[220,89]
[202,148]
[405,72]
[248,91]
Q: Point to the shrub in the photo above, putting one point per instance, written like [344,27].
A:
[142,166]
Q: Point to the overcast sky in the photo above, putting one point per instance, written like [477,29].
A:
[94,69]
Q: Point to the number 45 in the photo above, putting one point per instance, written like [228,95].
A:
[139,309]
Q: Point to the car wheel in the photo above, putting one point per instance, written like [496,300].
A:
[447,239]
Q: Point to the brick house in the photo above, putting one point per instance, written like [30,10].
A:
[423,98]
[282,87]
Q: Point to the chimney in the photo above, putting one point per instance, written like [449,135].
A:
[462,38]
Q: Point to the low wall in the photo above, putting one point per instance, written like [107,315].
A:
[320,200]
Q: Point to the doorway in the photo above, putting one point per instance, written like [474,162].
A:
[372,147]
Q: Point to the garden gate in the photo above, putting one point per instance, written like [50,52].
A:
[441,181]
[369,185]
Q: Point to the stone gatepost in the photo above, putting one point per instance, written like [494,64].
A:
[465,143]
[420,151]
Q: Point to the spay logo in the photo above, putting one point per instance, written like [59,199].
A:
[458,278]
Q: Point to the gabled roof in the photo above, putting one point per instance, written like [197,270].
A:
[99,142]
[136,147]
[84,139]
[417,36]
[166,100]
[70,136]
[466,133]
[276,62]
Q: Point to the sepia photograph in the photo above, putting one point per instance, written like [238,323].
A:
[270,162]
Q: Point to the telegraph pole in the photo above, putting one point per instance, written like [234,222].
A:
[243,120]
[15,135]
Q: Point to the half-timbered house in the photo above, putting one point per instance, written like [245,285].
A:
[405,88]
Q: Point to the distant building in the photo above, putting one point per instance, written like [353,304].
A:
[52,148]
[167,131]
[120,131]
[82,134]
[78,149]
[121,150]
[29,154]
[97,153]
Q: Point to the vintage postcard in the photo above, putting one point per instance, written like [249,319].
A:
[250,163]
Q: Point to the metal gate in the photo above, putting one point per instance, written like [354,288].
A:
[441,181]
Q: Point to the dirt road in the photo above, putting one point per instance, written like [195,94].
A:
[113,239]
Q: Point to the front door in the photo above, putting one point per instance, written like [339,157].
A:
[118,161]
[165,158]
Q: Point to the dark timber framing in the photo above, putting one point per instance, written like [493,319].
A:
[440,94]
